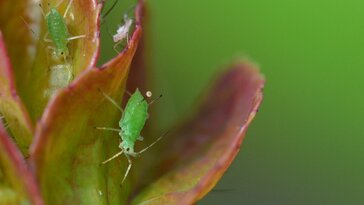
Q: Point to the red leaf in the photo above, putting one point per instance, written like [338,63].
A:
[198,154]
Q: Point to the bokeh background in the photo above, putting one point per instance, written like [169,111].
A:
[306,144]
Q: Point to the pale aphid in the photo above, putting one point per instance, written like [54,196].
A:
[122,32]
[58,31]
[131,124]
[60,77]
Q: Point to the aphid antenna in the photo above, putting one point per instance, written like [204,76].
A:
[131,8]
[41,10]
[110,9]
[57,5]
[31,30]
[112,101]
[155,99]
[67,8]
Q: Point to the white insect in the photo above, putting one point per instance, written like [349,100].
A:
[122,32]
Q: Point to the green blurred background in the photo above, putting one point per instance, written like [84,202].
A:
[306,144]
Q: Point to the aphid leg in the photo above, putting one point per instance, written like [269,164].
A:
[68,8]
[113,157]
[116,45]
[76,37]
[127,92]
[31,30]
[41,10]
[128,169]
[46,39]
[153,143]
[113,102]
[108,129]
[140,138]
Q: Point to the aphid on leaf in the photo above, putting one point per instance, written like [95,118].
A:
[122,32]
[58,31]
[60,77]
[131,124]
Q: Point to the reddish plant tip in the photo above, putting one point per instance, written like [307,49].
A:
[203,148]
[67,150]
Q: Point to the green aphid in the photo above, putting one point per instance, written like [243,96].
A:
[131,124]
[58,31]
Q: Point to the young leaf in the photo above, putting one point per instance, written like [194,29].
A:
[68,150]
[197,155]
[11,106]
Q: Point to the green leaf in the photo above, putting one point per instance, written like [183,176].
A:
[68,150]
[195,157]
[11,106]
[17,184]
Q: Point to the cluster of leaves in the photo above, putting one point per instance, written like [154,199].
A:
[50,152]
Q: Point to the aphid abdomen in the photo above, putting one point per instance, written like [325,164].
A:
[136,124]
[58,32]
[134,117]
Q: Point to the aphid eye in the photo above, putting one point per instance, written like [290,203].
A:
[127,149]
[61,53]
